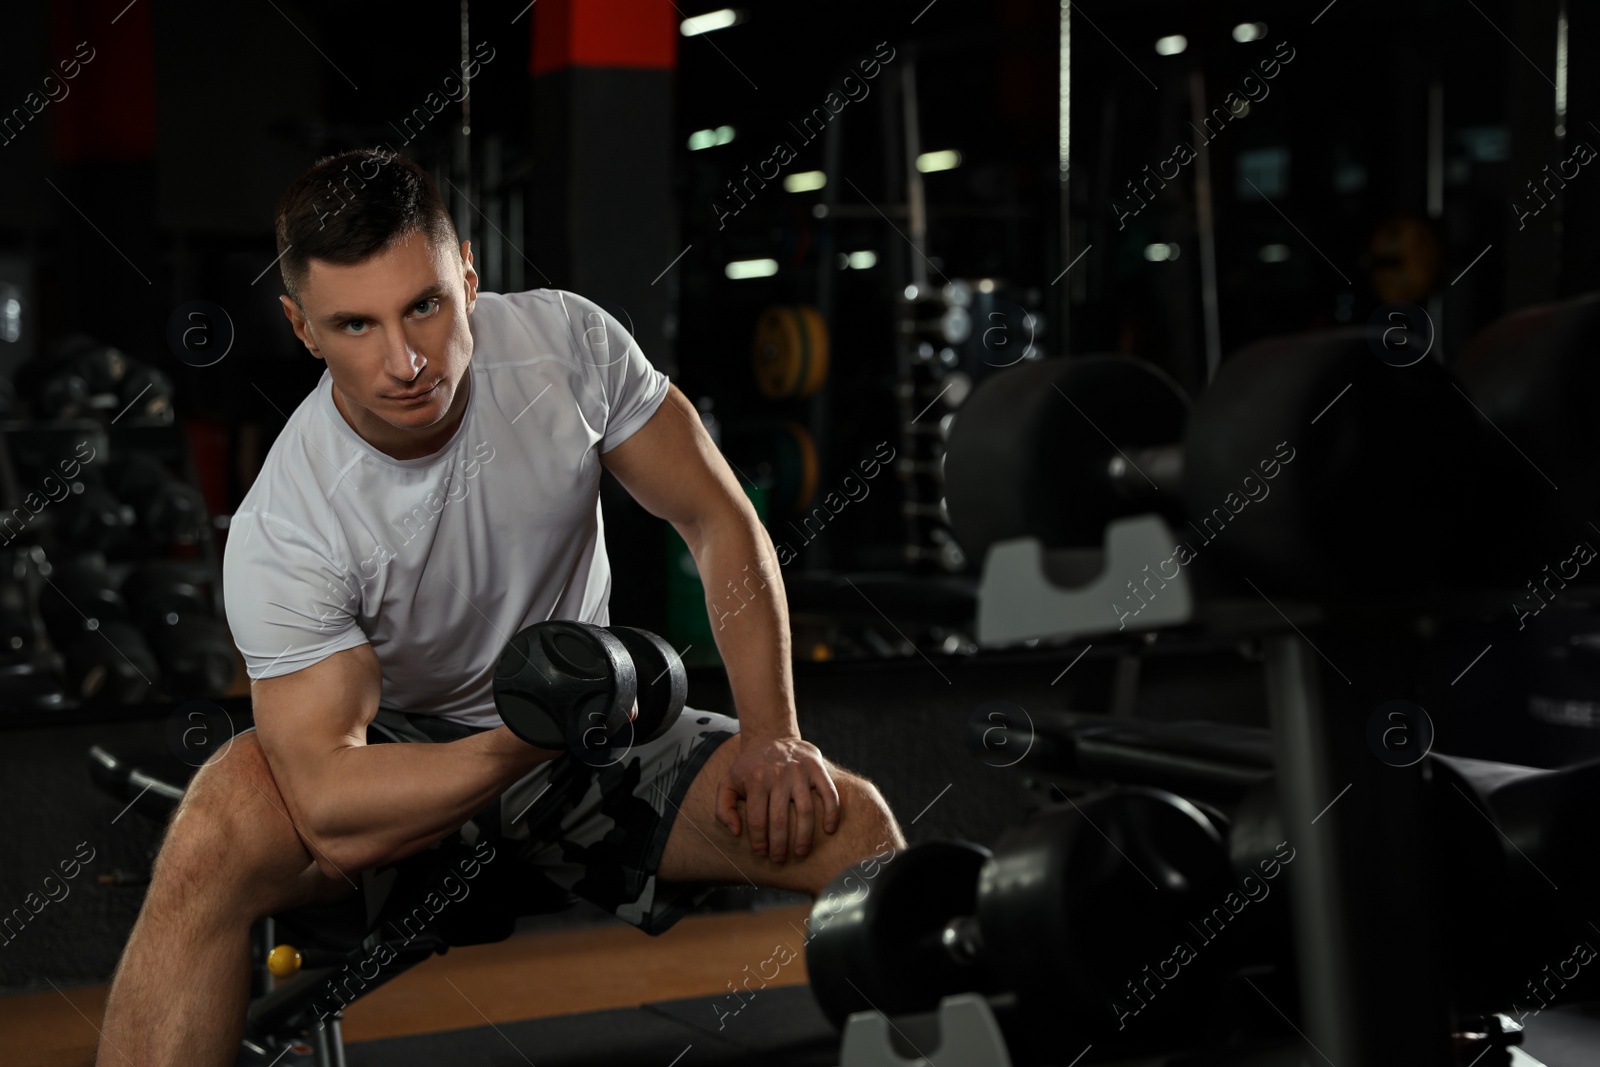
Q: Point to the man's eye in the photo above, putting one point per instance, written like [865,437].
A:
[428,306]
[353,322]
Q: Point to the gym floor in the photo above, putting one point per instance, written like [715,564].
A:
[564,973]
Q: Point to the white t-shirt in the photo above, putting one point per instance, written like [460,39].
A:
[437,561]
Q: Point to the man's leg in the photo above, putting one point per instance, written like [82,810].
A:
[230,856]
[701,849]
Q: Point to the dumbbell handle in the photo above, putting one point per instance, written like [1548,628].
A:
[1147,474]
[962,939]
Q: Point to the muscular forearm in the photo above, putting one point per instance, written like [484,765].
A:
[750,621]
[375,804]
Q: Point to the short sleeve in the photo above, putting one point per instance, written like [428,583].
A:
[289,605]
[632,387]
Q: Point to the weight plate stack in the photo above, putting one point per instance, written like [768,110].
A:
[790,352]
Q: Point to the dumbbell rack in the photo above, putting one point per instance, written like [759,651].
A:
[27,446]
[1366,937]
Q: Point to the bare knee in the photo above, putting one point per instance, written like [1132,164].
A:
[865,816]
[867,829]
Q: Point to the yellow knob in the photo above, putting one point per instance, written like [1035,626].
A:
[283,961]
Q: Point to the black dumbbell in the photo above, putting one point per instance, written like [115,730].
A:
[568,686]
[17,636]
[571,686]
[662,682]
[106,657]
[879,931]
[92,518]
[168,509]
[61,395]
[103,369]
[24,688]
[1050,923]
[1266,464]
[146,393]
[192,645]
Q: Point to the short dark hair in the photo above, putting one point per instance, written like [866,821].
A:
[350,206]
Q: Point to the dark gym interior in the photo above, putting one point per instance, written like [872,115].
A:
[1165,419]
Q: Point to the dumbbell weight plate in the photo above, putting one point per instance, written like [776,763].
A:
[103,368]
[92,518]
[1314,468]
[110,664]
[79,592]
[663,683]
[566,685]
[790,351]
[875,939]
[147,394]
[195,654]
[1075,901]
[169,508]
[1028,453]
[159,587]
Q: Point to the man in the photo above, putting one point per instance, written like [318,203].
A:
[437,492]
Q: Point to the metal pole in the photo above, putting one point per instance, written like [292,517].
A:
[916,206]
[1205,225]
[1064,170]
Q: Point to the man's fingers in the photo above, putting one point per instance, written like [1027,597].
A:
[804,813]
[778,825]
[755,813]
[728,807]
[830,800]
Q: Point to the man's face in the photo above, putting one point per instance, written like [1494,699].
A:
[393,331]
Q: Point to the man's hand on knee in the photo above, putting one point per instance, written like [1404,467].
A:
[775,776]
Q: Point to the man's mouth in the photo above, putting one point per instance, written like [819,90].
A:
[423,394]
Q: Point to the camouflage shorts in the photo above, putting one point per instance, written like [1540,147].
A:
[594,833]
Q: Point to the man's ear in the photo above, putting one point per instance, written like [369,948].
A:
[469,274]
[297,319]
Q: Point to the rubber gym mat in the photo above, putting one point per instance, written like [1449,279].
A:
[776,1027]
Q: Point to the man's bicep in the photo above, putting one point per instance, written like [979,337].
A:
[672,467]
[303,719]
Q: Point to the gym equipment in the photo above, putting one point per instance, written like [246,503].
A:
[1026,455]
[571,686]
[106,659]
[1286,469]
[146,395]
[92,518]
[174,612]
[968,1035]
[790,352]
[1047,924]
[1404,259]
[783,452]
[662,682]
[169,510]
[62,395]
[566,686]
[902,936]
[25,684]
[1532,373]
[102,368]
[17,637]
